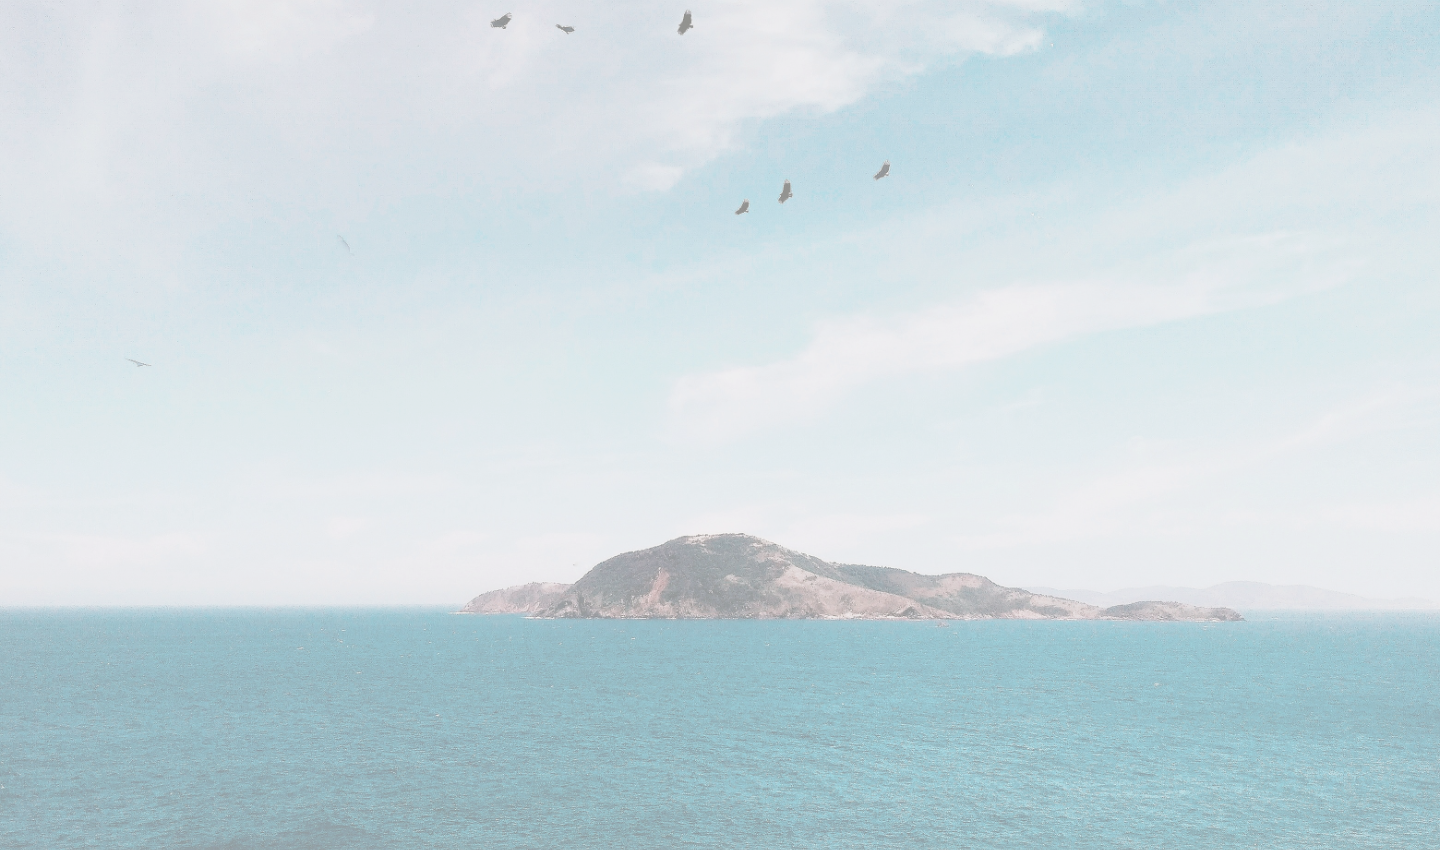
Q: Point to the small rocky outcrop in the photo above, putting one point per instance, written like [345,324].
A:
[1160,611]
[521,599]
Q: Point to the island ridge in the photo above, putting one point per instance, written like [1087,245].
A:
[737,576]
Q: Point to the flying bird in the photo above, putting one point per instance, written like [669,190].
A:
[136,362]
[744,207]
[343,242]
[685,23]
[502,22]
[566,30]
[786,194]
[884,170]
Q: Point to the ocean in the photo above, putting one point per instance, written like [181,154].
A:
[335,729]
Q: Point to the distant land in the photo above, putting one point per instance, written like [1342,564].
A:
[736,576]
[1247,595]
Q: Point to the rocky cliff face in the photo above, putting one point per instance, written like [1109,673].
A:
[735,576]
[521,599]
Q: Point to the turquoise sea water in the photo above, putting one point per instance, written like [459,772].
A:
[333,729]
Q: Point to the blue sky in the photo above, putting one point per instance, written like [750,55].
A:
[1149,297]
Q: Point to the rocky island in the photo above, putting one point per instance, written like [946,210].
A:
[736,576]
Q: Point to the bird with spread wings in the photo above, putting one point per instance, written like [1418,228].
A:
[136,362]
[785,193]
[566,30]
[744,207]
[884,170]
[502,22]
[686,23]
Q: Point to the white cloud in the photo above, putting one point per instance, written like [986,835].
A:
[654,177]
[1388,409]
[1116,503]
[281,29]
[458,563]
[451,544]
[345,527]
[132,134]
[324,349]
[503,56]
[562,543]
[1419,515]
[848,353]
[794,526]
[761,59]
[763,519]
[555,556]
[105,551]
[1119,502]
[750,60]
[15,495]
[845,532]
[1029,400]
[983,34]
[362,486]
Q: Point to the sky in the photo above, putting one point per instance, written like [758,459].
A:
[1150,295]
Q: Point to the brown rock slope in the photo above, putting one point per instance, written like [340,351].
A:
[521,599]
[968,596]
[726,576]
[735,576]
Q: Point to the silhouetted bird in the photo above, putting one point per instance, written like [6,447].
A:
[884,170]
[744,207]
[685,23]
[785,193]
[136,362]
[502,22]
[566,30]
[343,242]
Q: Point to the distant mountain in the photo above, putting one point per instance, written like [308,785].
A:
[736,576]
[1251,595]
[521,599]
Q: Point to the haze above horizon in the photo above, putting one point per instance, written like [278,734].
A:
[1148,296]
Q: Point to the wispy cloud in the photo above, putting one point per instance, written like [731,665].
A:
[837,533]
[848,353]
[453,542]
[362,484]
[130,98]
[1406,516]
[458,563]
[13,494]
[345,527]
[754,60]
[108,551]
[1416,515]
[760,518]
[562,543]
[283,29]
[1133,497]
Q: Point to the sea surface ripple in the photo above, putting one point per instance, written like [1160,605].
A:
[340,729]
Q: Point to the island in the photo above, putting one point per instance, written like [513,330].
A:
[737,576]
